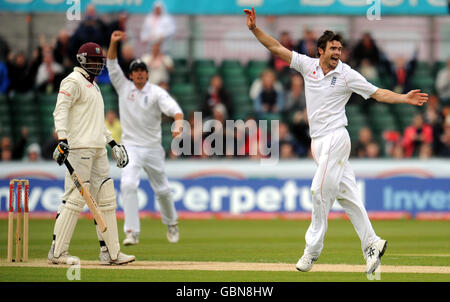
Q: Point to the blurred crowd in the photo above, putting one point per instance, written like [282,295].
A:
[277,91]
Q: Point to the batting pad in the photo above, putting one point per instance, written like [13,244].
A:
[107,205]
[64,227]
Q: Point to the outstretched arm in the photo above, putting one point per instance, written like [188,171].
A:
[414,97]
[116,36]
[270,43]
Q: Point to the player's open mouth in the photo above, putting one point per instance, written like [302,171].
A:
[334,60]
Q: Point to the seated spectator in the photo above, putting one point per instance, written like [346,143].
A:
[50,146]
[33,153]
[434,118]
[397,151]
[112,123]
[21,73]
[13,152]
[49,74]
[285,137]
[270,100]
[402,73]
[308,44]
[426,151]
[216,95]
[372,150]
[364,139]
[286,150]
[443,84]
[368,71]
[366,48]
[294,112]
[257,86]
[415,135]
[445,139]
[392,139]
[159,65]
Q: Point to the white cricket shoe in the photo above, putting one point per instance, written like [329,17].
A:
[373,255]
[105,258]
[172,233]
[305,263]
[64,258]
[131,238]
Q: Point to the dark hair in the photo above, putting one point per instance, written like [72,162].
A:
[328,36]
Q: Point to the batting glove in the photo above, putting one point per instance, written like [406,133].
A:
[119,153]
[61,152]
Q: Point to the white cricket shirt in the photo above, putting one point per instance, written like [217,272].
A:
[79,113]
[327,95]
[140,110]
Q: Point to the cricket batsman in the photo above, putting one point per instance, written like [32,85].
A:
[80,125]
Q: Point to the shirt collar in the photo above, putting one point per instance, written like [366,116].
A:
[338,68]
[83,72]
[145,89]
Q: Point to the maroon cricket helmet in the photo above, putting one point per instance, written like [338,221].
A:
[91,58]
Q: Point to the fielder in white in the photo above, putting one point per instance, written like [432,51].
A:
[329,84]
[140,106]
[80,123]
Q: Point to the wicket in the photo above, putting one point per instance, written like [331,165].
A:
[22,184]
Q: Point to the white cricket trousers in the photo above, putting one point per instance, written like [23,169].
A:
[334,180]
[152,161]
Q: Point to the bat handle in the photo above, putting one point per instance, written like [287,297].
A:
[69,166]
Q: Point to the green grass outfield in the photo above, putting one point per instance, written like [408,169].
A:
[411,243]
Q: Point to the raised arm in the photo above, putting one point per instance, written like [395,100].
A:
[116,75]
[414,97]
[270,43]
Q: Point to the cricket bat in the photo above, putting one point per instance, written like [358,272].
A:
[98,216]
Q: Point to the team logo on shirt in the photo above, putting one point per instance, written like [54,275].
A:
[131,96]
[333,81]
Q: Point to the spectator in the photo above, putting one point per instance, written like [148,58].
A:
[280,66]
[21,73]
[372,150]
[4,80]
[118,24]
[61,50]
[159,27]
[216,124]
[49,146]
[368,71]
[426,151]
[159,65]
[443,84]
[397,151]
[285,137]
[270,100]
[445,139]
[366,48]
[434,118]
[49,74]
[286,150]
[33,152]
[364,139]
[91,29]
[13,152]
[307,45]
[257,86]
[112,123]
[216,95]
[415,135]
[402,73]
[294,112]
